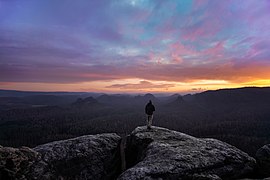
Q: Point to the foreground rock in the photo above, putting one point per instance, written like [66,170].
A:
[256,179]
[85,157]
[164,154]
[15,163]
[263,160]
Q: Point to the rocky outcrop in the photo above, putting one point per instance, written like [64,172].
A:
[164,154]
[158,153]
[263,160]
[85,157]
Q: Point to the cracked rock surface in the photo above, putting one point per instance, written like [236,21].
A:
[160,153]
[84,157]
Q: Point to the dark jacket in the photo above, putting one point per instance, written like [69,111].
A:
[149,108]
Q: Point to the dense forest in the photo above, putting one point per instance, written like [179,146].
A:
[240,116]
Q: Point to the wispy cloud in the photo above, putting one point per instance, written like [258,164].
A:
[141,85]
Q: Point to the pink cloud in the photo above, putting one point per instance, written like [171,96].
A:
[215,53]
[179,49]
[199,3]
[208,29]
[176,58]
[216,49]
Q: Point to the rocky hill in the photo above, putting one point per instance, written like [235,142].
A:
[158,153]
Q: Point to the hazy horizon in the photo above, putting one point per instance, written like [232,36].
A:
[134,93]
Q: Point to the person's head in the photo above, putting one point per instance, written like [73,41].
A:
[150,102]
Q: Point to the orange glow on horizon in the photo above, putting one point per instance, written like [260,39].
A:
[134,86]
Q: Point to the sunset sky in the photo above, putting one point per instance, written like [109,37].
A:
[132,46]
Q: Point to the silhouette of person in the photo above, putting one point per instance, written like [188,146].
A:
[149,109]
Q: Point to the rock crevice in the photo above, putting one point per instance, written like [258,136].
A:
[166,154]
[158,153]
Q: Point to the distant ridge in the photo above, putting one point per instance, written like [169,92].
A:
[16,93]
[85,102]
[10,92]
[239,88]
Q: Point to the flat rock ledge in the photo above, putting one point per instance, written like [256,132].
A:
[160,153]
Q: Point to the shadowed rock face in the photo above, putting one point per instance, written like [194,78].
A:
[15,163]
[263,160]
[166,154]
[85,157]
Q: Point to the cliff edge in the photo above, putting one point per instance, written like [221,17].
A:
[161,153]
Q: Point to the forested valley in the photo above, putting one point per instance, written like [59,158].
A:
[240,117]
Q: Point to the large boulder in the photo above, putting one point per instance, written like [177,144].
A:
[164,154]
[263,160]
[85,157]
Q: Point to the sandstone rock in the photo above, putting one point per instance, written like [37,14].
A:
[164,154]
[15,163]
[263,160]
[86,157]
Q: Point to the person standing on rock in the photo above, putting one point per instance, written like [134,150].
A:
[149,109]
